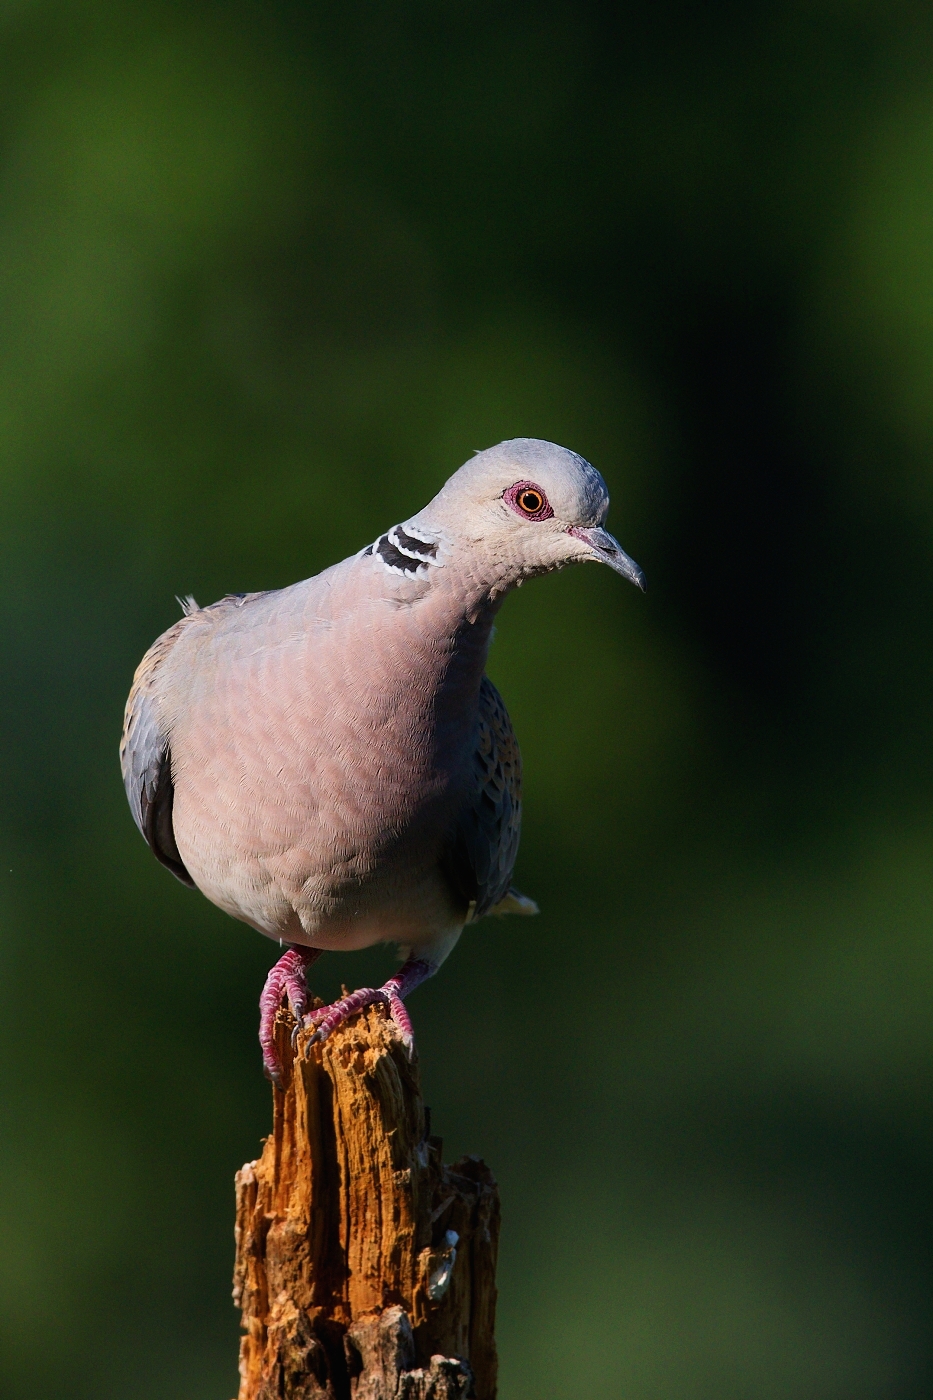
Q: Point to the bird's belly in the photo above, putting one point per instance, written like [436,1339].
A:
[330,876]
[406,906]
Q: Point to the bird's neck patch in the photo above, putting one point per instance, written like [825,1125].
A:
[405,550]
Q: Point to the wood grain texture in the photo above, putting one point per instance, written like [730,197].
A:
[365,1268]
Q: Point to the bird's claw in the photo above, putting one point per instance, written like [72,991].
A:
[326,1019]
[286,980]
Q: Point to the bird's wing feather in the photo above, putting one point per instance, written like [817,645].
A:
[481,855]
[146,759]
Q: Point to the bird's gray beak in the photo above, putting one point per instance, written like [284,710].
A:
[607,550]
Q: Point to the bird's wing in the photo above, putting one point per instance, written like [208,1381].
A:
[146,759]
[481,855]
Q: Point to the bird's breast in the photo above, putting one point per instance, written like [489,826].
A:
[311,769]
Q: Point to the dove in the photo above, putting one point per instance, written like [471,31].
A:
[329,763]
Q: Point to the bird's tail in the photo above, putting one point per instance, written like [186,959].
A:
[515,903]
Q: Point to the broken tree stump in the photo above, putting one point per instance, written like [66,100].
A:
[365,1268]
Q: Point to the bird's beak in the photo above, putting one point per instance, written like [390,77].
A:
[607,550]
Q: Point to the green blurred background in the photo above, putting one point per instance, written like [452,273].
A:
[268,273]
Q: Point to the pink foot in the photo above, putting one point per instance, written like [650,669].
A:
[286,978]
[409,976]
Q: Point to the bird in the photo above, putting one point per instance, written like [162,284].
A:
[329,763]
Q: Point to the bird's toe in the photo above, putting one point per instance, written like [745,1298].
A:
[326,1019]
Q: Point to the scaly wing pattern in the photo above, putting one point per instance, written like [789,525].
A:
[481,856]
[146,759]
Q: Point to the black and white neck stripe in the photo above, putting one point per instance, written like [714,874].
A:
[405,550]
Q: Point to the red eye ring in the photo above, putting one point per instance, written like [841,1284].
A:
[528,500]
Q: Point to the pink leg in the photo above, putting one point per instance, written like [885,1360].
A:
[286,978]
[408,977]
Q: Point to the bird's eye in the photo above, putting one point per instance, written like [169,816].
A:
[528,500]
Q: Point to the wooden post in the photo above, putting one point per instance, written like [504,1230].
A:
[365,1268]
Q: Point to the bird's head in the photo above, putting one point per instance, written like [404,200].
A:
[526,507]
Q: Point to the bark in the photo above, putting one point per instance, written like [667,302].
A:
[365,1268]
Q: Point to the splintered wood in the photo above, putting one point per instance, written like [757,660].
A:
[365,1268]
